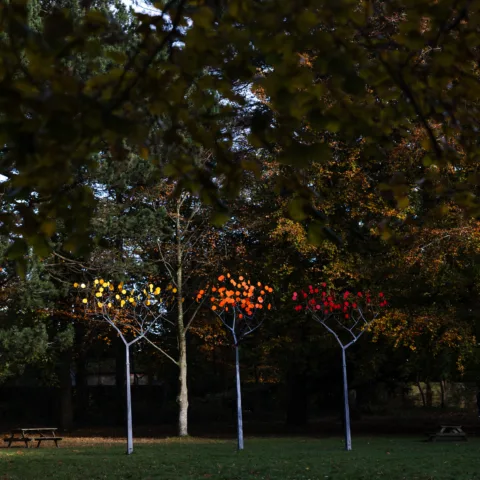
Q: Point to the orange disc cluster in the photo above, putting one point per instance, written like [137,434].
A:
[238,294]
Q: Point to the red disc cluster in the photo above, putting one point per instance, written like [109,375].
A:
[322,301]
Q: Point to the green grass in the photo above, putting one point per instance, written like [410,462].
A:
[272,459]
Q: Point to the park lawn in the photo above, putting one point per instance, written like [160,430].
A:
[266,458]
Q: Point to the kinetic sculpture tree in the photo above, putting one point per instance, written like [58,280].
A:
[346,317]
[236,303]
[133,311]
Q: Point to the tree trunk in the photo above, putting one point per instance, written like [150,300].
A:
[429,394]
[422,394]
[348,434]
[129,401]
[239,398]
[181,338]
[442,393]
[183,393]
[120,380]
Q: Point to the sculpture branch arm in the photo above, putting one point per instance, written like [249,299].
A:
[361,332]
[153,324]
[112,324]
[142,333]
[355,339]
[365,321]
[349,330]
[226,325]
[323,322]
[252,329]
[136,339]
[353,328]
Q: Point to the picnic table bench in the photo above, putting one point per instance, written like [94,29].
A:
[40,435]
[449,432]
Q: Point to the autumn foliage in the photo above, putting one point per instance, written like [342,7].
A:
[429,333]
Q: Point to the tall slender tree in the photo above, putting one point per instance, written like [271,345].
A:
[184,259]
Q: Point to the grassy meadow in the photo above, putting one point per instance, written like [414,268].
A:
[267,458]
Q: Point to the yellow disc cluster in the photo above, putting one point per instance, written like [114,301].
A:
[106,294]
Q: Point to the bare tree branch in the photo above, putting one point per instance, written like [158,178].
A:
[161,351]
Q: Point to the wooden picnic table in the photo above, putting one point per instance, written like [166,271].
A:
[40,435]
[449,432]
